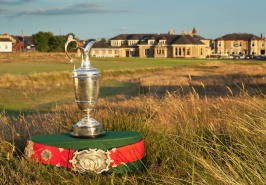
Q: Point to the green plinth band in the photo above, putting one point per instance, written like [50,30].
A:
[112,139]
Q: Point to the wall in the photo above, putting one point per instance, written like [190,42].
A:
[5,46]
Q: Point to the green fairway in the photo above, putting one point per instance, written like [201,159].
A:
[104,64]
[41,81]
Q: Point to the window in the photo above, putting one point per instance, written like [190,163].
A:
[240,44]
[131,42]
[147,52]
[6,46]
[253,44]
[262,44]
[188,51]
[235,44]
[220,44]
[201,51]
[151,42]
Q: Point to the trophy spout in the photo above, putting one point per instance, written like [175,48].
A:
[85,55]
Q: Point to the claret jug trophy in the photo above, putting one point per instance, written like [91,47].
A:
[87,88]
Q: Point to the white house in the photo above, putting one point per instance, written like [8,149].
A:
[5,45]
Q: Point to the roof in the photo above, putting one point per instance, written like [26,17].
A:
[131,36]
[28,40]
[239,36]
[198,37]
[5,40]
[170,39]
[100,45]
[186,39]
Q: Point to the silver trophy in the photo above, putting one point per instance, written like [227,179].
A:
[87,88]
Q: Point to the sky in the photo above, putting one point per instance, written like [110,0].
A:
[96,19]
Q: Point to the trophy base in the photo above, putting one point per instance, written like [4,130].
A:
[88,128]
[87,136]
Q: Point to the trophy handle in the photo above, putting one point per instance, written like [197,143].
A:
[70,39]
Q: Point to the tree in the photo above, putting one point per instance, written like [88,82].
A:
[89,40]
[41,39]
[103,40]
[47,42]
[57,44]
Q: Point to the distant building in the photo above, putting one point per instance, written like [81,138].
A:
[5,45]
[9,43]
[24,43]
[6,42]
[240,44]
[170,45]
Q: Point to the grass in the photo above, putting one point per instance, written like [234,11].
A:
[198,141]
[203,123]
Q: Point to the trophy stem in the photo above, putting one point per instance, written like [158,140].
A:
[87,114]
[87,127]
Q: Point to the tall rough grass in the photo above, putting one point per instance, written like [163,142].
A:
[188,140]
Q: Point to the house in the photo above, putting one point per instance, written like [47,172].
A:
[6,42]
[23,43]
[169,45]
[16,43]
[5,45]
[240,44]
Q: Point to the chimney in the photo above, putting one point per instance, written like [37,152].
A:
[184,32]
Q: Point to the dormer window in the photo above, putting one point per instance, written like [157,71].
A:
[151,42]
[162,41]
[132,42]
[116,42]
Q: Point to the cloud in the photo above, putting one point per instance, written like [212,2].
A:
[14,2]
[4,11]
[82,8]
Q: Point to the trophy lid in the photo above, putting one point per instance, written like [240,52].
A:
[86,72]
[85,68]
